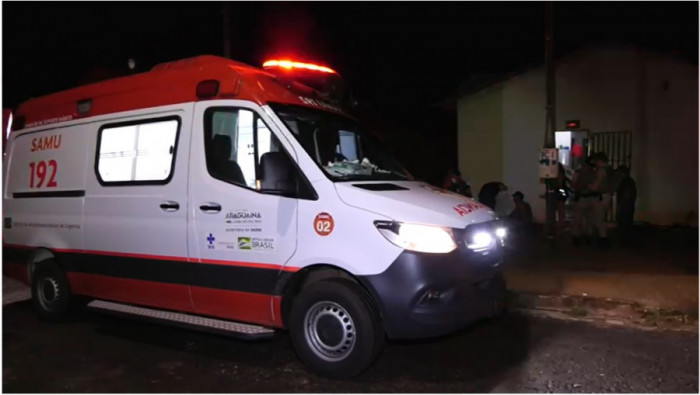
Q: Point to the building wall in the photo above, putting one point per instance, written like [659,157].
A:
[524,100]
[610,89]
[671,117]
[479,137]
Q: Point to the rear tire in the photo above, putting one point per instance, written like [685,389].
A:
[51,294]
[335,329]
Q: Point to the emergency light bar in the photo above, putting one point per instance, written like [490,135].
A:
[290,65]
[311,80]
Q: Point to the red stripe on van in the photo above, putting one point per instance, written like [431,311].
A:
[277,312]
[8,245]
[164,258]
[147,293]
[232,305]
[251,264]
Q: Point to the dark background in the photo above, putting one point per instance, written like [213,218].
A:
[403,61]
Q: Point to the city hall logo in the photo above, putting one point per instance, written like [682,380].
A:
[243,216]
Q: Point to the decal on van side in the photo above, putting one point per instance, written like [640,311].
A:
[39,225]
[48,121]
[466,208]
[323,224]
[46,143]
[244,243]
[256,243]
[243,217]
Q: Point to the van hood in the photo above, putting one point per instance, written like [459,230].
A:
[415,202]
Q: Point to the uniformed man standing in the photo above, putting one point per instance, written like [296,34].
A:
[626,197]
[603,187]
[585,201]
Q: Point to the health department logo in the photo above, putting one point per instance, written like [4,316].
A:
[244,243]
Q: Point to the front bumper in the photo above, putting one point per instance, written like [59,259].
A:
[424,295]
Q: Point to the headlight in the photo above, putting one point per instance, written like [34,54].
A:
[501,233]
[484,238]
[421,238]
[481,241]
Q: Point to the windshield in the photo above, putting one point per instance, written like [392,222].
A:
[339,146]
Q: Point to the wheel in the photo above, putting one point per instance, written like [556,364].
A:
[51,294]
[335,329]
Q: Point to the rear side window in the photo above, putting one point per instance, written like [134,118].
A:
[137,152]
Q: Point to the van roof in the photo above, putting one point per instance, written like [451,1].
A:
[166,83]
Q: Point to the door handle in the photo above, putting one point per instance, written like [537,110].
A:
[210,208]
[170,206]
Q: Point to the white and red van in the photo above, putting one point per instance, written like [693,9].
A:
[212,194]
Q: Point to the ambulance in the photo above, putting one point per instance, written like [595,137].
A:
[211,194]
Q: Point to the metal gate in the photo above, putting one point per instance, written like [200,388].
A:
[618,147]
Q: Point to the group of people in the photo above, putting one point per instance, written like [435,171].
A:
[495,195]
[593,187]
[590,190]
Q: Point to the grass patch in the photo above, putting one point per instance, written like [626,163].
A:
[659,317]
[578,310]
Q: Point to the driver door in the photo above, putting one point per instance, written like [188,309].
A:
[240,238]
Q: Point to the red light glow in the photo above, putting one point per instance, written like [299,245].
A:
[289,65]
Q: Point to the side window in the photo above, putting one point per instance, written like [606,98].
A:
[140,152]
[234,141]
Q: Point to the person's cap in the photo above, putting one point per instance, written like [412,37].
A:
[518,195]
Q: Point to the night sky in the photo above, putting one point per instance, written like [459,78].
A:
[399,58]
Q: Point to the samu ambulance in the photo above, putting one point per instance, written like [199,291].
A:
[212,194]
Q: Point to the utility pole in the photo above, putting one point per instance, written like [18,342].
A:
[226,13]
[551,118]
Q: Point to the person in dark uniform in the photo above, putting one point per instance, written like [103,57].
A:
[603,187]
[488,192]
[522,212]
[563,192]
[626,198]
[585,201]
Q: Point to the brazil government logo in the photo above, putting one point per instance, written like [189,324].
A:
[244,243]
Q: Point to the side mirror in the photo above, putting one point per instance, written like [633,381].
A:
[277,174]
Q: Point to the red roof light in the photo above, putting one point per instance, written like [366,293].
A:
[289,65]
[575,124]
[207,89]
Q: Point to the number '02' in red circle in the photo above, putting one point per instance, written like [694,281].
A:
[323,224]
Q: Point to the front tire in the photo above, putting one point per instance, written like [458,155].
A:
[51,293]
[335,329]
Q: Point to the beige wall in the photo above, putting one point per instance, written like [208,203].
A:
[479,138]
[671,117]
[607,90]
